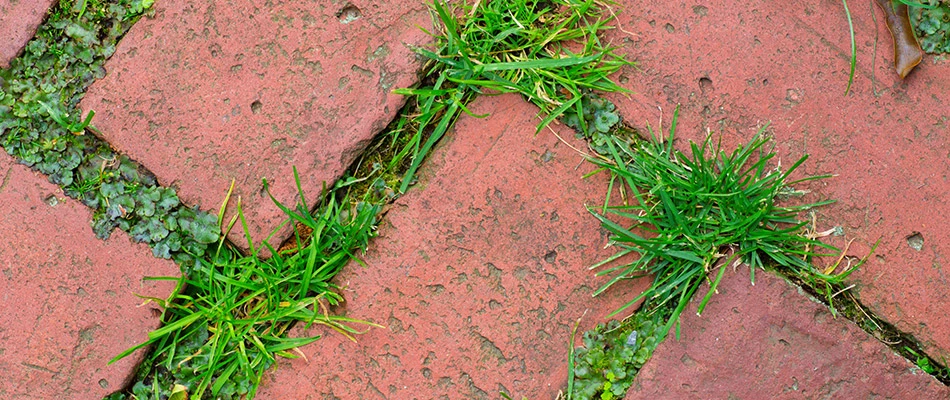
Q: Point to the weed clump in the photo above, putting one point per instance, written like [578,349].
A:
[613,354]
[597,120]
[547,51]
[694,215]
[41,125]
[932,25]
[226,321]
[689,217]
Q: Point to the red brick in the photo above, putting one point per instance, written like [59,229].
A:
[68,301]
[18,22]
[478,273]
[206,92]
[769,341]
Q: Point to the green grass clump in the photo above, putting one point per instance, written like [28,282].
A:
[694,215]
[548,51]
[691,217]
[226,322]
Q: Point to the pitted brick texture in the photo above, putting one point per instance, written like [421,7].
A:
[18,22]
[479,273]
[769,341]
[735,66]
[208,91]
[67,300]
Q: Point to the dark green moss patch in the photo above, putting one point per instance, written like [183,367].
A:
[932,26]
[41,125]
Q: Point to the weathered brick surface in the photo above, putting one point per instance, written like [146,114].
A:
[67,299]
[769,341]
[478,274]
[208,91]
[18,22]
[734,66]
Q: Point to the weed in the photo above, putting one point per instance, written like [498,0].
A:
[932,25]
[41,125]
[520,46]
[613,353]
[693,215]
[699,214]
[226,322]
[925,364]
[600,116]
[376,174]
[77,127]
[854,47]
[323,241]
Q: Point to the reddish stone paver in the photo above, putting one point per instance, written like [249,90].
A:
[208,91]
[734,66]
[67,299]
[769,341]
[478,274]
[18,22]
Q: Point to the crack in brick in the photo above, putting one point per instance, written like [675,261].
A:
[39,368]
[476,392]
[488,349]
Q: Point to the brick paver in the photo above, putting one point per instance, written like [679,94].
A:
[208,91]
[480,270]
[67,299]
[18,22]
[769,341]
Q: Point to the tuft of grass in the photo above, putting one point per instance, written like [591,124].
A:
[693,215]
[928,365]
[548,51]
[226,322]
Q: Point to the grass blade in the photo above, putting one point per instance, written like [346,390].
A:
[854,47]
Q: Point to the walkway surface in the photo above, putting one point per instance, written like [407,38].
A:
[479,271]
[888,142]
[207,92]
[18,22]
[68,301]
